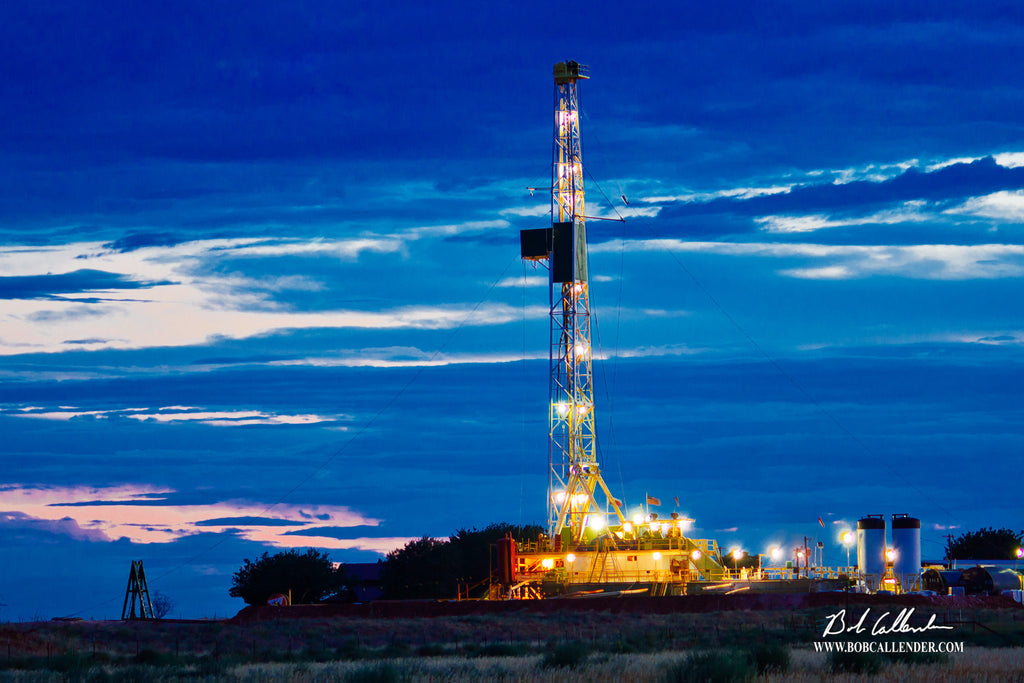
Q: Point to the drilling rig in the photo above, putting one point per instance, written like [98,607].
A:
[590,544]
[575,484]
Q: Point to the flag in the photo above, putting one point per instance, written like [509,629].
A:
[821,523]
[651,500]
[616,502]
[677,501]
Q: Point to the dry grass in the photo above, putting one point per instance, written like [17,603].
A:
[980,665]
[507,647]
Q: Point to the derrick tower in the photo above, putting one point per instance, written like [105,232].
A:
[578,497]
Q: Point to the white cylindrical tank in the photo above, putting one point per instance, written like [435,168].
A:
[871,549]
[906,542]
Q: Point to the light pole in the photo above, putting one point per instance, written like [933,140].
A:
[737,555]
[847,540]
[775,553]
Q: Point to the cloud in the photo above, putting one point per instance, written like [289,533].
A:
[1003,206]
[64,526]
[660,351]
[528,211]
[140,240]
[1010,159]
[229,418]
[822,273]
[921,261]
[909,212]
[75,282]
[216,418]
[267,248]
[998,339]
[135,512]
[945,183]
[190,303]
[929,342]
[623,212]
[523,281]
[248,521]
[382,544]
[405,357]
[732,193]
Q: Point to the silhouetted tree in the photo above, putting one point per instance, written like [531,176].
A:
[421,569]
[985,544]
[434,568]
[162,604]
[310,576]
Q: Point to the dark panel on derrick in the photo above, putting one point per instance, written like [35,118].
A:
[535,244]
[581,252]
[569,252]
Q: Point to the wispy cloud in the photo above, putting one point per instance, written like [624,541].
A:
[217,418]
[1003,206]
[148,514]
[624,212]
[657,351]
[921,261]
[528,211]
[909,212]
[452,229]
[731,193]
[175,295]
[523,281]
[405,357]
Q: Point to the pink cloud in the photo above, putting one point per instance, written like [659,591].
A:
[66,526]
[115,512]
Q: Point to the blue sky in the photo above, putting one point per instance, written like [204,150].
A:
[260,284]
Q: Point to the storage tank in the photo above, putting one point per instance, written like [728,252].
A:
[989,580]
[506,561]
[871,549]
[940,580]
[906,541]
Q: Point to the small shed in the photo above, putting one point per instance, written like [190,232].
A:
[364,580]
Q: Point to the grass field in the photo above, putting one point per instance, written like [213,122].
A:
[564,645]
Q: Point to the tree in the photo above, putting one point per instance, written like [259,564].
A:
[310,577]
[436,568]
[421,569]
[162,604]
[985,544]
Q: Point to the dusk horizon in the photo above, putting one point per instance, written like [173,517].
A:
[261,286]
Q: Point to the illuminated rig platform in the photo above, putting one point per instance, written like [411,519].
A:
[621,562]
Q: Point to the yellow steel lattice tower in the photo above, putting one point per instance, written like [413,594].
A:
[576,489]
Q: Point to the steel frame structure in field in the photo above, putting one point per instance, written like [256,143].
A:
[575,475]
